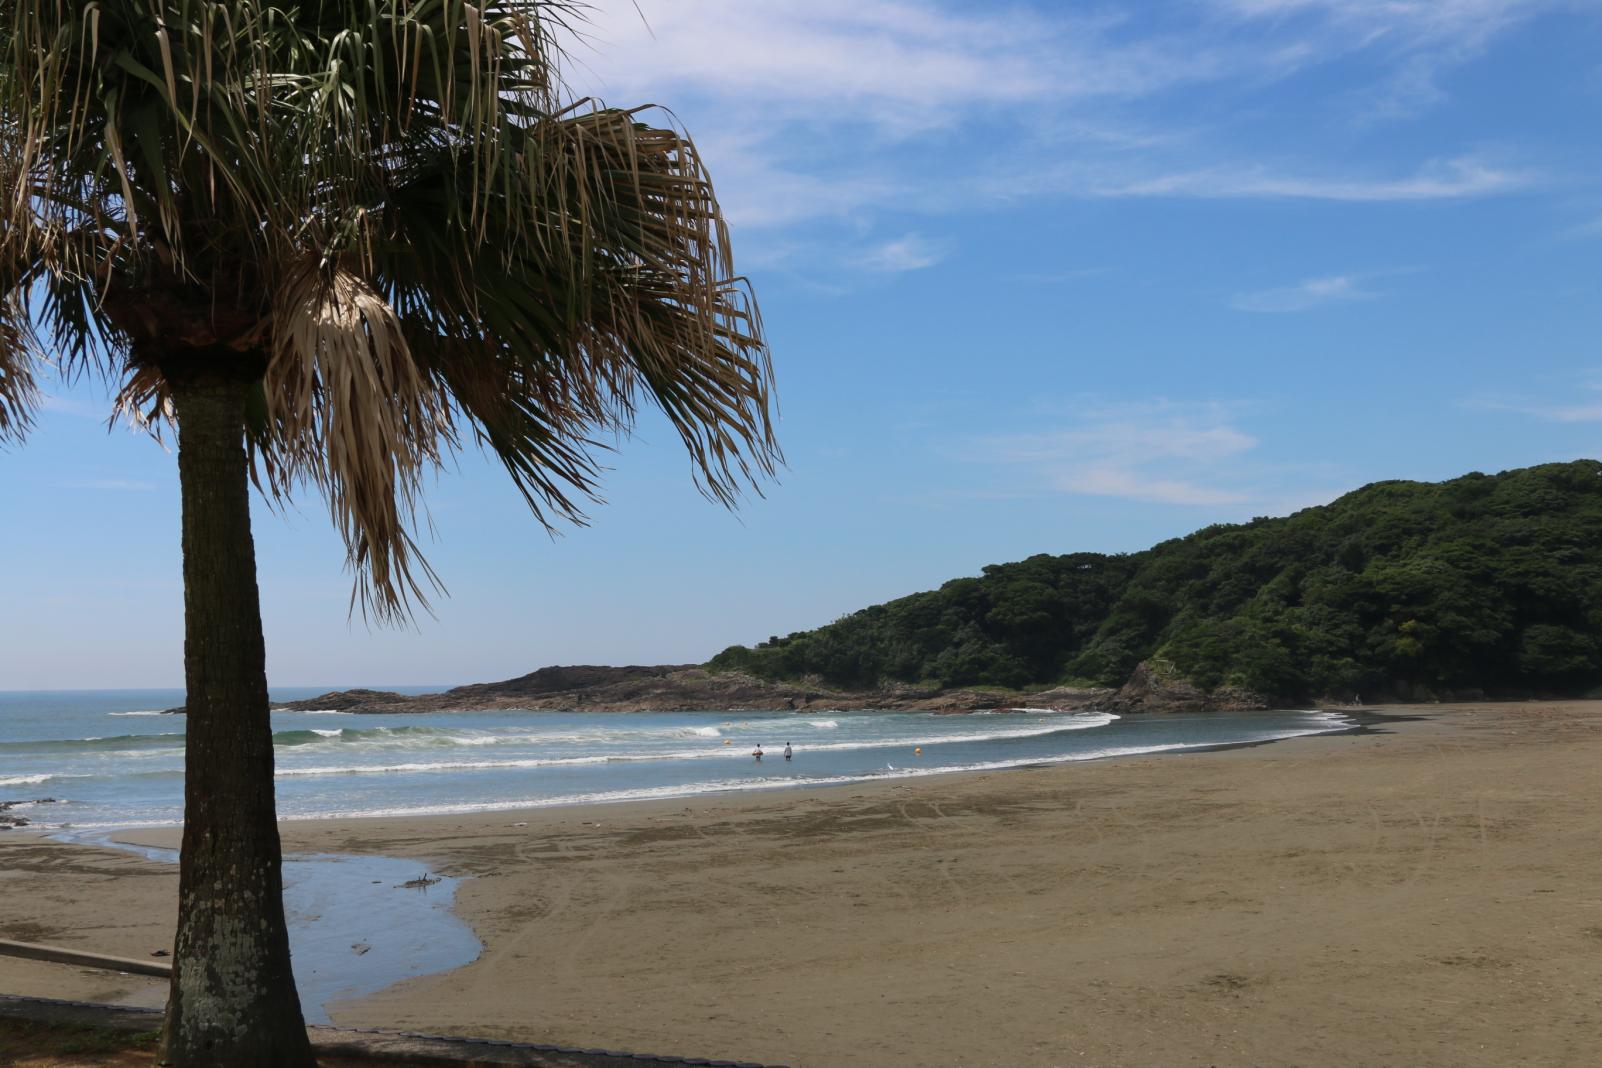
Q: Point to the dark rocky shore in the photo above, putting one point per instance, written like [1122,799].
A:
[690,687]
[1152,687]
[682,688]
[7,822]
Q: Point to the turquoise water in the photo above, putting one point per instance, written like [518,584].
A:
[110,759]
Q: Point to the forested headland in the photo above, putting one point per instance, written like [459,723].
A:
[1482,586]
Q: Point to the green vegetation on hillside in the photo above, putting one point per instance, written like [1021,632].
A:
[1486,583]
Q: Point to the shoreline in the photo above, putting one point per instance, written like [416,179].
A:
[166,836]
[717,780]
[1419,894]
[816,766]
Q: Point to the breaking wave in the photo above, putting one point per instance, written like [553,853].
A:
[25,780]
[728,752]
[721,786]
[487,761]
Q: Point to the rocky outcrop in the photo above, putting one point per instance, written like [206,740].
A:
[1154,687]
[685,688]
[8,821]
[358,700]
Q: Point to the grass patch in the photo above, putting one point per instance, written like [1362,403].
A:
[30,1042]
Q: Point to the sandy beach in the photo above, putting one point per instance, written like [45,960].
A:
[1429,895]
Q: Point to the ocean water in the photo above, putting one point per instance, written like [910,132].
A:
[110,759]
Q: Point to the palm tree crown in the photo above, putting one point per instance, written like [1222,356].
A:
[384,214]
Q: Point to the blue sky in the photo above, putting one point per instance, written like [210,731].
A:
[1038,278]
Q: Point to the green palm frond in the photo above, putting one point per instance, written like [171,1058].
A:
[388,211]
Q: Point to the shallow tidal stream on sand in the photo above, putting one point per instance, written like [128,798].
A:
[355,925]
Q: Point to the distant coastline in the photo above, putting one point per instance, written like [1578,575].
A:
[696,688]
[691,687]
[688,688]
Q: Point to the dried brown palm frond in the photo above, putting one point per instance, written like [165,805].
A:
[387,211]
[17,388]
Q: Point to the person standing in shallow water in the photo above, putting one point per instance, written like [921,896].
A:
[757,752]
[787,750]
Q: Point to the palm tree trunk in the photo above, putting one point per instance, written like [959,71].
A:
[233,1001]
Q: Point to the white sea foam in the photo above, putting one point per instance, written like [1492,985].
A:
[1081,722]
[1328,723]
[437,775]
[719,786]
[440,765]
[823,724]
[429,737]
[140,754]
[25,780]
[334,733]
[148,712]
[319,711]
[70,831]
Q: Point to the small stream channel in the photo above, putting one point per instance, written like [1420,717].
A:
[355,927]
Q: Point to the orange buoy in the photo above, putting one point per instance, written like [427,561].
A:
[725,741]
[918,751]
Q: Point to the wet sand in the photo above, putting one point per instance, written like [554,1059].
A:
[1431,896]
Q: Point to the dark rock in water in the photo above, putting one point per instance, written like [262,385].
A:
[9,822]
[181,710]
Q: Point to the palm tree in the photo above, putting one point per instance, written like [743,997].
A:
[327,243]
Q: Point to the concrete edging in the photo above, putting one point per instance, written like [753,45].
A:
[60,955]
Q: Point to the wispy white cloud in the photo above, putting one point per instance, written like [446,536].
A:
[1440,31]
[911,252]
[901,64]
[1583,403]
[1558,413]
[1164,452]
[1426,20]
[804,107]
[1421,39]
[1304,296]
[1582,231]
[760,187]
[1105,481]
[1454,179]
[921,63]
